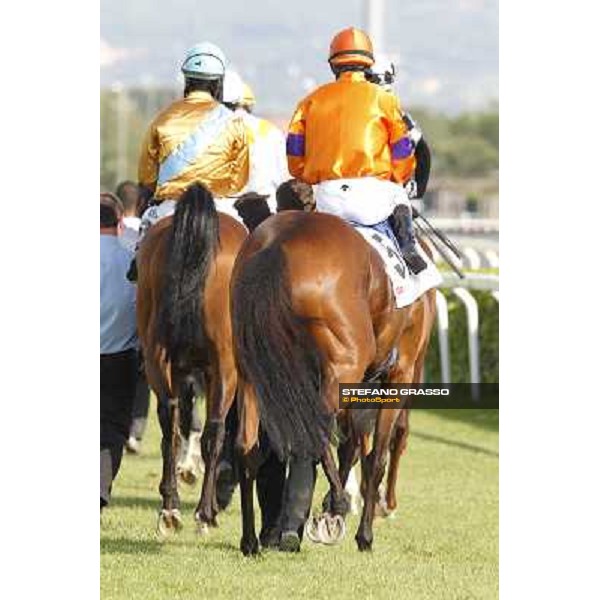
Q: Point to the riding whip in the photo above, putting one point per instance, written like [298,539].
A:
[441,250]
[443,238]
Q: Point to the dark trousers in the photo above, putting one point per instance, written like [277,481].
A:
[118,377]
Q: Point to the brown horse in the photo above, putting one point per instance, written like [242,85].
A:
[184,270]
[312,307]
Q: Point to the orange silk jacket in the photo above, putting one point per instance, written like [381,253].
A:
[195,139]
[349,128]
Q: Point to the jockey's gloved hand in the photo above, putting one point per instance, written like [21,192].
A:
[414,131]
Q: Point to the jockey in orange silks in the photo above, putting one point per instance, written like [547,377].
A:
[348,140]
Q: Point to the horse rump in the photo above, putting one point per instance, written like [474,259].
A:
[277,355]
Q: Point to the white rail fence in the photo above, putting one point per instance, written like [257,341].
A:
[460,288]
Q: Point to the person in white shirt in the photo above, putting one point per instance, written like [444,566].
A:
[268,161]
[128,193]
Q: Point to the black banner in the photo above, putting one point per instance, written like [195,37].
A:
[423,395]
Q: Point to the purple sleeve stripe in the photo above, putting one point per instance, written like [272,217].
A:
[295,144]
[403,148]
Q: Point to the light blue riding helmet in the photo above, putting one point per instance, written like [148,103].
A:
[204,61]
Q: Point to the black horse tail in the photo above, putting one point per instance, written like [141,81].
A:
[276,354]
[191,250]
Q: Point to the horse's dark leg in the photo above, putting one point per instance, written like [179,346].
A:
[188,462]
[249,458]
[220,394]
[168,416]
[270,485]
[397,447]
[248,466]
[339,504]
[187,408]
[376,467]
[297,500]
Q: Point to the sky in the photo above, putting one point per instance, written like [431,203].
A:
[446,51]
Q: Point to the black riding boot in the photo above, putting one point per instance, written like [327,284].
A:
[402,225]
[227,477]
[298,494]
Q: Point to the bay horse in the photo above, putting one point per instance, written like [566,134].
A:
[296,195]
[184,270]
[313,307]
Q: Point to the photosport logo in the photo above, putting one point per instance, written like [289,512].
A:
[419,395]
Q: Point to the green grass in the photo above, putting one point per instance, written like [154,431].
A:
[442,544]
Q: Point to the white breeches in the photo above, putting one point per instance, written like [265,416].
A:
[364,201]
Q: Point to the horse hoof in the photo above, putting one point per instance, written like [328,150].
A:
[269,538]
[381,509]
[363,544]
[203,524]
[326,529]
[290,542]
[169,521]
[332,529]
[249,547]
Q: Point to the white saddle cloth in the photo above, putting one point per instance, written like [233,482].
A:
[407,286]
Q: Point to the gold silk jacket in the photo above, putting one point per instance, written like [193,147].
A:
[349,128]
[195,139]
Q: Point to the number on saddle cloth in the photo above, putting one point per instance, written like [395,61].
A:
[384,229]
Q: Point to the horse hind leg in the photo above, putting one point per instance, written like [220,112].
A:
[416,337]
[374,474]
[170,516]
[248,455]
[220,394]
[350,353]
[189,463]
[397,447]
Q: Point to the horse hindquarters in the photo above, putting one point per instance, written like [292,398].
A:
[277,356]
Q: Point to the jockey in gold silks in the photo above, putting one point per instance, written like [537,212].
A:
[194,140]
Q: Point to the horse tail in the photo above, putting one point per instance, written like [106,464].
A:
[276,354]
[191,249]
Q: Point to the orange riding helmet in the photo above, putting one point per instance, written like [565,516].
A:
[351,47]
